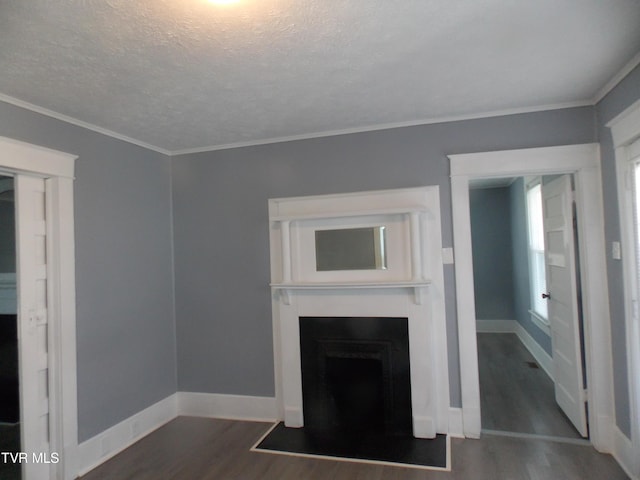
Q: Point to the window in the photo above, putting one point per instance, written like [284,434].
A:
[537,275]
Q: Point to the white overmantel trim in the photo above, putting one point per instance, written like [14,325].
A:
[584,162]
[418,296]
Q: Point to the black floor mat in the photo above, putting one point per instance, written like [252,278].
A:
[404,450]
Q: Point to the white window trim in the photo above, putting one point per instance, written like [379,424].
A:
[584,162]
[530,183]
[625,130]
[57,168]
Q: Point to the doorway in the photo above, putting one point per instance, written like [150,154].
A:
[515,341]
[9,376]
[584,162]
[45,306]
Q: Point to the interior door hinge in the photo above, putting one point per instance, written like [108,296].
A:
[585,394]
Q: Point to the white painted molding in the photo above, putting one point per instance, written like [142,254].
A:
[24,157]
[625,126]
[386,126]
[527,161]
[19,158]
[625,455]
[112,441]
[584,162]
[100,448]
[539,353]
[625,129]
[412,218]
[496,326]
[455,423]
[79,123]
[617,78]
[234,407]
[541,323]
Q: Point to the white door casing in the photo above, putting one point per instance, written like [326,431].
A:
[31,258]
[625,130]
[584,162]
[560,267]
[57,168]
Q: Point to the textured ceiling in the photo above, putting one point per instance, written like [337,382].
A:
[186,74]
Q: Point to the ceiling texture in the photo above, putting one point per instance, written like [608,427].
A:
[185,75]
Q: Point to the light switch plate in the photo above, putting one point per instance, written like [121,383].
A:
[616,254]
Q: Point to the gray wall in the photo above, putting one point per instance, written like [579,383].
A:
[492,261]
[621,97]
[125,321]
[223,302]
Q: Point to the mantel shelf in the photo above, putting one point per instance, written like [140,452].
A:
[284,288]
[353,213]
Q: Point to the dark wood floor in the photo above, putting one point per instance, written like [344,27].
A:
[515,397]
[207,449]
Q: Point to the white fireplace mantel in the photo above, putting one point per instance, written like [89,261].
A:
[411,287]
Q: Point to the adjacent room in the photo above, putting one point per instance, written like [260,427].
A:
[319,239]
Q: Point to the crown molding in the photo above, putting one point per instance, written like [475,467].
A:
[385,126]
[617,78]
[79,123]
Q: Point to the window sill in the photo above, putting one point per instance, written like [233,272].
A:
[540,322]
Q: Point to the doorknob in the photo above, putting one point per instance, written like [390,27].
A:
[546,295]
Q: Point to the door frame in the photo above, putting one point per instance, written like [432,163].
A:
[625,132]
[583,161]
[57,168]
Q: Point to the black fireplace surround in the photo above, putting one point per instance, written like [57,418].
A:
[355,375]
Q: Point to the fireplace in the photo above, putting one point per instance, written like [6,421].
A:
[355,375]
[360,345]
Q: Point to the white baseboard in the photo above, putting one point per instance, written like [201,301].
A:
[541,356]
[624,454]
[496,326]
[456,428]
[235,407]
[512,326]
[112,441]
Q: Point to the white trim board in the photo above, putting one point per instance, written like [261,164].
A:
[584,162]
[105,445]
[102,447]
[20,158]
[625,454]
[625,130]
[79,123]
[232,407]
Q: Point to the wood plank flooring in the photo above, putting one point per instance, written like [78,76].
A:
[192,448]
[513,396]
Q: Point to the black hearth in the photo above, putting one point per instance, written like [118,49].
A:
[355,375]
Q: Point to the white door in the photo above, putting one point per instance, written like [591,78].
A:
[557,207]
[32,325]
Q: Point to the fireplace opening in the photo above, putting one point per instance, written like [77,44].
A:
[355,375]
[356,390]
